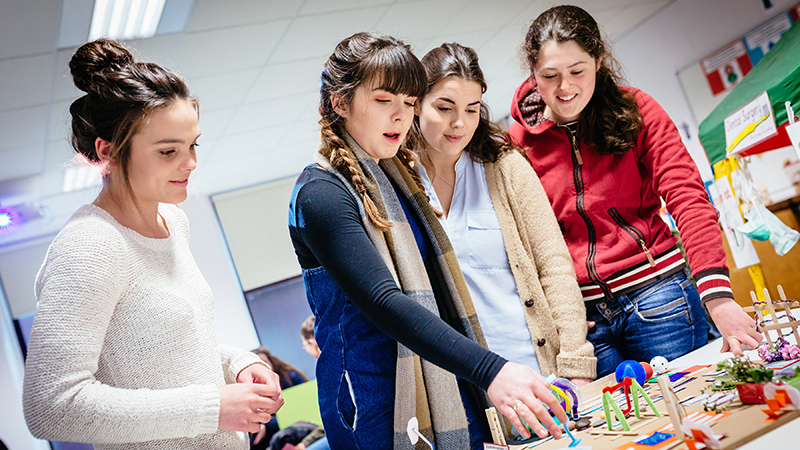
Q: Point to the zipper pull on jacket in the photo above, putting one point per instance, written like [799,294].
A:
[573,142]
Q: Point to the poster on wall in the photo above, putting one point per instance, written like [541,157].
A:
[726,67]
[761,40]
[749,125]
[742,249]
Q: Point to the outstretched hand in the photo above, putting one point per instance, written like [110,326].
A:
[518,392]
[736,326]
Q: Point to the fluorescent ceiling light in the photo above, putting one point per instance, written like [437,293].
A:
[125,19]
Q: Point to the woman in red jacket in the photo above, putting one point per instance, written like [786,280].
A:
[606,156]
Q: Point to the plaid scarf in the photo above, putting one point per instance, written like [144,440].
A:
[422,389]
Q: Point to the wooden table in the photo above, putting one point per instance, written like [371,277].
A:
[744,428]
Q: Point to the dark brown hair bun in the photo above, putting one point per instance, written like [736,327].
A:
[95,58]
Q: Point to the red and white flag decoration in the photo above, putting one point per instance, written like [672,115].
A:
[726,67]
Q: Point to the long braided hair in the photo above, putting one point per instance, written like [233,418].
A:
[362,59]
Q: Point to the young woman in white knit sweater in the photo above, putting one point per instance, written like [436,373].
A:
[123,349]
[501,225]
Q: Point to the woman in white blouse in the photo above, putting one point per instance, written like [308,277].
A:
[497,216]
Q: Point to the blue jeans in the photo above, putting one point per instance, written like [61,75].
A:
[664,318]
[356,374]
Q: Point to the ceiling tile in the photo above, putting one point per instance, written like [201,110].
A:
[63,87]
[500,49]
[630,17]
[24,126]
[228,50]
[20,162]
[157,49]
[59,121]
[268,114]
[474,39]
[280,80]
[239,145]
[213,123]
[532,11]
[304,130]
[28,27]
[315,36]
[404,21]
[213,14]
[222,91]
[480,14]
[26,81]
[311,7]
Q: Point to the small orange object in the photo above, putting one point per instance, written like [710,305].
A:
[773,404]
[782,398]
[771,415]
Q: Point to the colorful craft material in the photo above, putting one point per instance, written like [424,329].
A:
[677,376]
[631,369]
[654,439]
[659,364]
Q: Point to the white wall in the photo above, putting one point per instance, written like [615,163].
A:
[231,317]
[678,36]
[13,430]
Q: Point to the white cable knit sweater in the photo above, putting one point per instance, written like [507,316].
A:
[123,352]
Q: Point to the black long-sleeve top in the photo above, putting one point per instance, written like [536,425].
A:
[326,230]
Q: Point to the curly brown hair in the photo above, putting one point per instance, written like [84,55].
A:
[610,122]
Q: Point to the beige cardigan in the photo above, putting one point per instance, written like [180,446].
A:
[542,268]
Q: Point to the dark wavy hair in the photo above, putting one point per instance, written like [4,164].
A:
[121,94]
[362,59]
[610,122]
[279,366]
[456,60]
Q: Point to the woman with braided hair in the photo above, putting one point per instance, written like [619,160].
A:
[394,320]
[122,351]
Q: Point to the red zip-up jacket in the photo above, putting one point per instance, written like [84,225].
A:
[607,205]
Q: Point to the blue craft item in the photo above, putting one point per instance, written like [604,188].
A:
[631,369]
[655,438]
[677,375]
[575,441]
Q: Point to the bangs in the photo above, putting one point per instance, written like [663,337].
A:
[396,70]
